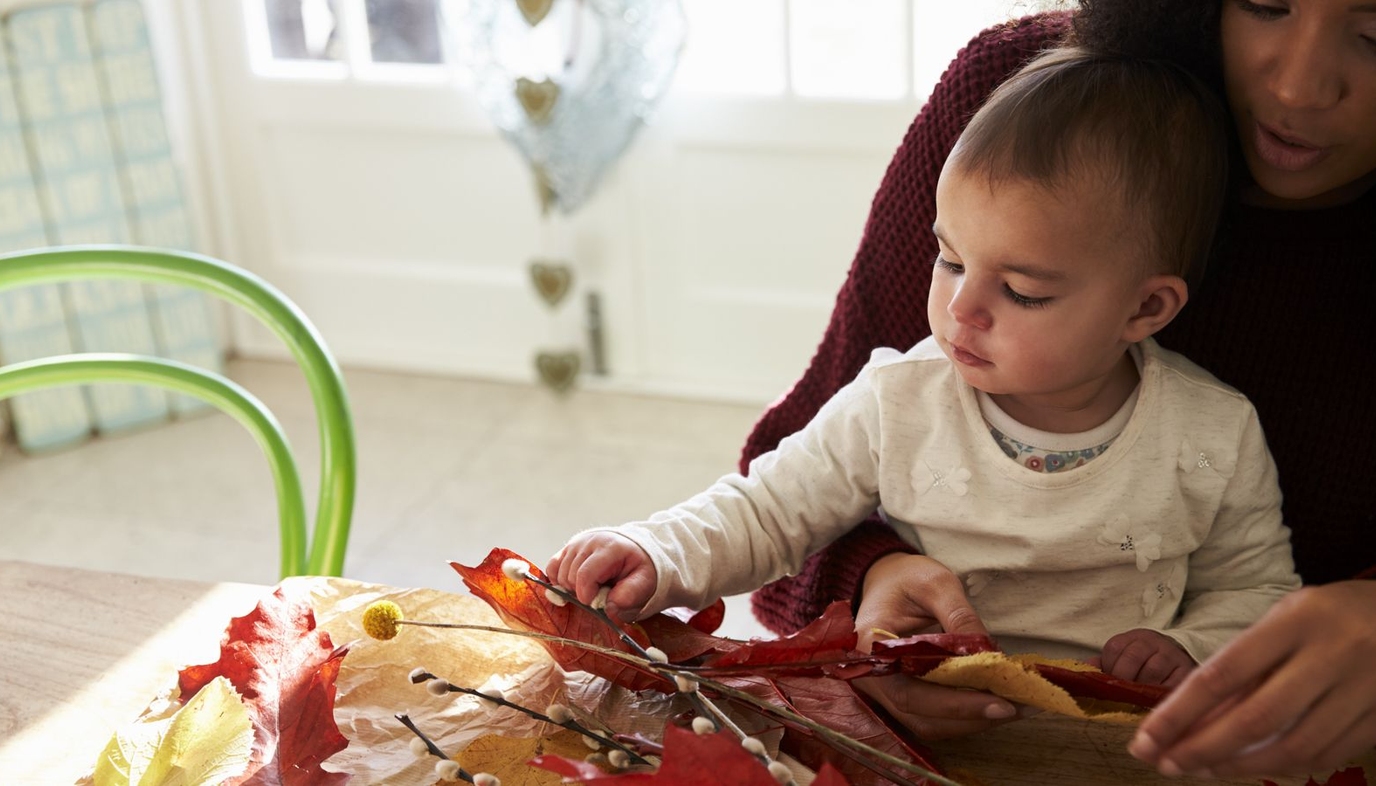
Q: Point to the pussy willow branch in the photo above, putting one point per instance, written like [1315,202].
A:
[826,732]
[430,744]
[571,725]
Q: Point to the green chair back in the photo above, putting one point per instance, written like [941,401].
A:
[324,553]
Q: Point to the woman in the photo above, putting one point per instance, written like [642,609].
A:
[1284,314]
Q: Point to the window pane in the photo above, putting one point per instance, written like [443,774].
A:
[941,28]
[734,46]
[303,29]
[404,31]
[844,49]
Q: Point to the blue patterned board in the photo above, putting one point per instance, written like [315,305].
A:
[182,318]
[60,98]
[33,320]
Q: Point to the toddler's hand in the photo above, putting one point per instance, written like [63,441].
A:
[1146,656]
[592,559]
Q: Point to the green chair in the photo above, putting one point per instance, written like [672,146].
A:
[324,555]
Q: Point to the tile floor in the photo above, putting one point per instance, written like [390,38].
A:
[447,469]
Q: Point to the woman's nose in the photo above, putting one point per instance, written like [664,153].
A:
[1307,74]
[966,307]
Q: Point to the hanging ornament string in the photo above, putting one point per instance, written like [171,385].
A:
[574,34]
[569,83]
[553,277]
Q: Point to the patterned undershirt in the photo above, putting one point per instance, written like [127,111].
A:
[1045,451]
[1042,459]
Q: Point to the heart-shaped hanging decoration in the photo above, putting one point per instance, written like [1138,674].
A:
[552,280]
[572,92]
[534,10]
[558,370]
[537,98]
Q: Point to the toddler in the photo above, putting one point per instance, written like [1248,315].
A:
[1083,482]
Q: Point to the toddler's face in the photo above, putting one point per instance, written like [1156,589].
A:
[1033,288]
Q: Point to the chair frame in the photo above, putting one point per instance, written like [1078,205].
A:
[338,457]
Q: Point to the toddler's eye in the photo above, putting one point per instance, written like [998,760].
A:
[943,263]
[1024,300]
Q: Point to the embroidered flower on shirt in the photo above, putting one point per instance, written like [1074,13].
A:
[1195,458]
[1160,590]
[1145,546]
[952,480]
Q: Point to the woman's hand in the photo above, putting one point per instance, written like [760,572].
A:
[1295,693]
[911,593]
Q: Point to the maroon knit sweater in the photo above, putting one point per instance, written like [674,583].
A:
[1286,313]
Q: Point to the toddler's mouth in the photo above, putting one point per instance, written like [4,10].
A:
[966,357]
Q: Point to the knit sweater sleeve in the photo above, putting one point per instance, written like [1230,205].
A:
[883,300]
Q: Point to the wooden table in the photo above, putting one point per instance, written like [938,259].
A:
[83,652]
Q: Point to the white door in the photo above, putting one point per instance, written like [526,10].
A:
[380,198]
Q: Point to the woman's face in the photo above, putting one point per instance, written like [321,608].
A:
[1301,81]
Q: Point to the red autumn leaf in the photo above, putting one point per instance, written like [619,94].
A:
[827,640]
[831,637]
[689,760]
[285,670]
[834,704]
[707,620]
[1352,776]
[1098,685]
[522,605]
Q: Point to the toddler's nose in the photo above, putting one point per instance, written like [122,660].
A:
[967,308]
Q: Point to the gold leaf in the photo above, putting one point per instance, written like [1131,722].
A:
[506,758]
[1015,678]
[205,742]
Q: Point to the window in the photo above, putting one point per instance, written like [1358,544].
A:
[880,50]
[316,38]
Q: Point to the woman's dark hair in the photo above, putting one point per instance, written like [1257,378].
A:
[1147,129]
[1184,32]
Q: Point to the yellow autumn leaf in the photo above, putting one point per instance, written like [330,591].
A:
[506,757]
[205,742]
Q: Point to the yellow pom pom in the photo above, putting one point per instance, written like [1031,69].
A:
[380,619]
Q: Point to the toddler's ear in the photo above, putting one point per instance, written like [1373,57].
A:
[1159,299]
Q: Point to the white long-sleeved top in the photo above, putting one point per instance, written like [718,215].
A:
[1176,527]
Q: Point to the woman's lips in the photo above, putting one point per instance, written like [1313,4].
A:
[1286,152]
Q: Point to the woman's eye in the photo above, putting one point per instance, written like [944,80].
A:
[1262,11]
[1024,300]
